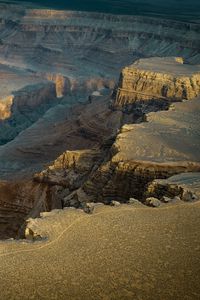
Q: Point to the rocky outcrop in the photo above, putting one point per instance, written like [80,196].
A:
[159,148]
[185,186]
[62,83]
[71,169]
[90,50]
[167,79]
[5,107]
[24,107]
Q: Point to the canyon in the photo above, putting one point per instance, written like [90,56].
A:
[99,154]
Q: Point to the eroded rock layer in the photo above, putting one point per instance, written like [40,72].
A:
[167,144]
[166,79]
[141,153]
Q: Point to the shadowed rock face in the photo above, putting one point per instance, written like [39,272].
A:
[170,9]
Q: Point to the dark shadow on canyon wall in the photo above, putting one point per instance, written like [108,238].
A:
[175,9]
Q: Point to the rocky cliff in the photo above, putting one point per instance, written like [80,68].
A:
[167,79]
[158,148]
[141,153]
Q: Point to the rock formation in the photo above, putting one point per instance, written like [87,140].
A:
[24,107]
[166,79]
[158,148]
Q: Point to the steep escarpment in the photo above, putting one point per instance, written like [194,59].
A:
[93,169]
[87,132]
[167,144]
[141,153]
[17,201]
[166,79]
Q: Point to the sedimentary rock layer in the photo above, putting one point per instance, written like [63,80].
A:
[33,37]
[157,79]
[167,144]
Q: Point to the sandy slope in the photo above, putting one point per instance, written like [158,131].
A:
[117,253]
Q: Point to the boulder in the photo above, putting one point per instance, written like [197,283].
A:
[153,202]
[115,203]
[88,208]
[133,201]
[189,196]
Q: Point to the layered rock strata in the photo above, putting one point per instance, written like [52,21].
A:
[167,79]
[185,185]
[18,200]
[158,148]
[167,144]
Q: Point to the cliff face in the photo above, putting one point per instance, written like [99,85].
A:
[157,79]
[90,50]
[24,107]
[17,201]
[158,148]
[141,153]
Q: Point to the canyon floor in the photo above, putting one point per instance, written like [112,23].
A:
[99,155]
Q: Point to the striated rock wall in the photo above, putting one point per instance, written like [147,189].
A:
[165,145]
[35,37]
[157,79]
[17,201]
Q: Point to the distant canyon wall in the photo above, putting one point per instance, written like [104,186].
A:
[83,41]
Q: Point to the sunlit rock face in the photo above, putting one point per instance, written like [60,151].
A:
[157,79]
